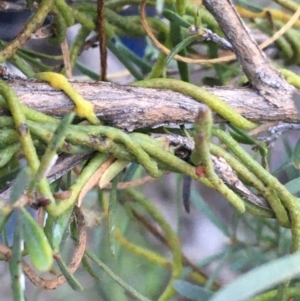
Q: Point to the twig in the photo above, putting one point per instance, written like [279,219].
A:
[207,35]
[278,130]
[262,75]
[33,24]
[167,51]
[228,58]
[62,166]
[221,167]
[140,106]
[75,262]
[102,39]
[66,57]
[94,180]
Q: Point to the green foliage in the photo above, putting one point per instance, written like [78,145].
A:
[37,245]
[260,279]
[192,292]
[118,254]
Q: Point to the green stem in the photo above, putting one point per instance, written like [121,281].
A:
[8,136]
[133,147]
[117,4]
[79,183]
[172,238]
[166,158]
[34,62]
[292,292]
[83,19]
[7,153]
[149,255]
[250,179]
[288,4]
[274,186]
[66,12]
[158,67]
[34,23]
[60,27]
[25,138]
[77,45]
[42,132]
[201,95]
[15,262]
[291,77]
[80,139]
[23,66]
[202,159]
[50,155]
[123,59]
[126,23]
[115,277]
[6,121]
[86,71]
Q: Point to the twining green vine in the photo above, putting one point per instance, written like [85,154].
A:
[44,140]
[201,157]
[25,137]
[202,95]
[33,24]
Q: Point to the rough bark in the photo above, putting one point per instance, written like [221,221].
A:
[130,108]
[262,75]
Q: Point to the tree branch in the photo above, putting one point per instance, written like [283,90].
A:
[262,75]
[132,108]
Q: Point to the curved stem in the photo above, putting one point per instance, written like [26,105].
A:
[274,186]
[202,95]
[173,241]
[34,23]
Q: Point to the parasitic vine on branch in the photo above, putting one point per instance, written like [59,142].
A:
[132,108]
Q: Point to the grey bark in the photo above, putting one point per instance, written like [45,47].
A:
[132,108]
